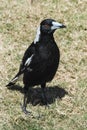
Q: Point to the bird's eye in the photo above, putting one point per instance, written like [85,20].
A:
[46,26]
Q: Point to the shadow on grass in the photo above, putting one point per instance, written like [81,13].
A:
[35,94]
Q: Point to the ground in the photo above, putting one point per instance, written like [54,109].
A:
[67,93]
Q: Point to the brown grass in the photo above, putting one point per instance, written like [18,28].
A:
[18,22]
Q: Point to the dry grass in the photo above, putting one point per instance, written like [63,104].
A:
[18,22]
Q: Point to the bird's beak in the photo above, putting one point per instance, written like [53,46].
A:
[56,25]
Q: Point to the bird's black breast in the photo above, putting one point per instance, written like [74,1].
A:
[44,64]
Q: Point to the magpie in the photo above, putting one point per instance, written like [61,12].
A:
[40,60]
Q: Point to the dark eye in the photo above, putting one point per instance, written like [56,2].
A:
[46,26]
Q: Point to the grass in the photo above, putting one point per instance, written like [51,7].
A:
[18,22]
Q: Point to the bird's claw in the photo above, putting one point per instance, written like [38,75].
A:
[24,109]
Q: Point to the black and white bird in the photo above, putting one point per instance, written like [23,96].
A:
[40,60]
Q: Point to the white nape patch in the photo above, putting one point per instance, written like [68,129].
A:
[55,25]
[28,61]
[37,38]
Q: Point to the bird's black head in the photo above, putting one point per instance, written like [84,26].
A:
[49,26]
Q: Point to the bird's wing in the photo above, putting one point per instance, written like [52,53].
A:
[27,58]
[26,61]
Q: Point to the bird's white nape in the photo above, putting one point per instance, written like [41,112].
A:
[37,38]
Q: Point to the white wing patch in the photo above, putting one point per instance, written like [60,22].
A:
[37,38]
[18,78]
[28,61]
[14,79]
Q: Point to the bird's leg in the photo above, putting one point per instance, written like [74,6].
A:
[43,94]
[25,101]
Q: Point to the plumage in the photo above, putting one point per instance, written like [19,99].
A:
[40,60]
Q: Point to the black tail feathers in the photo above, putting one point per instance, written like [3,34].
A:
[10,84]
[14,80]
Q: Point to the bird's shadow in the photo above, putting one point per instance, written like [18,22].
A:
[35,94]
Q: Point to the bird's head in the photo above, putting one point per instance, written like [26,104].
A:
[47,26]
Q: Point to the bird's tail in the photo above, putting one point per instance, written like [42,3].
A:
[12,82]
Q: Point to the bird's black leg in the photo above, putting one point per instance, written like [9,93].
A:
[43,94]
[25,101]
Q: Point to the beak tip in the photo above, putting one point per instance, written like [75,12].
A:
[63,26]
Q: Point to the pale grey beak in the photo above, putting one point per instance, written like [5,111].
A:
[56,25]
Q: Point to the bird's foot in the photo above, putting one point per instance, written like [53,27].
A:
[24,109]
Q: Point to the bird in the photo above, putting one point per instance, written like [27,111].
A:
[40,61]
